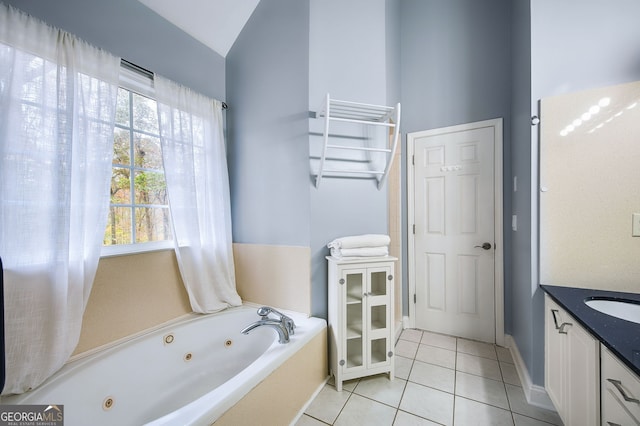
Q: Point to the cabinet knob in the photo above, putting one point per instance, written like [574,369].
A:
[341,362]
[341,281]
[390,354]
[390,277]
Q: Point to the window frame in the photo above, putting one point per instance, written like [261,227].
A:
[143,85]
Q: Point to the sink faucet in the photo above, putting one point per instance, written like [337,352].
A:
[284,325]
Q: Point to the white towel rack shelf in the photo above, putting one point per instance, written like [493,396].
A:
[367,114]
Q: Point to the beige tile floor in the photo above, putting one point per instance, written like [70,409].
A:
[439,380]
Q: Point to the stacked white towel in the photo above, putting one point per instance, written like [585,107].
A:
[356,246]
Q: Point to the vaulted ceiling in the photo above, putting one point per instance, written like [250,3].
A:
[215,23]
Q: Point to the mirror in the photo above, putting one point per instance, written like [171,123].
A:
[590,188]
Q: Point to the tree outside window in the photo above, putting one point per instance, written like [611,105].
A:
[139,210]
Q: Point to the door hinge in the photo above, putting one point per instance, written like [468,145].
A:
[415,299]
[414,229]
[413,160]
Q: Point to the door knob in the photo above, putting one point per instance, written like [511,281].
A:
[485,246]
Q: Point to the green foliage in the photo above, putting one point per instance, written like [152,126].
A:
[146,202]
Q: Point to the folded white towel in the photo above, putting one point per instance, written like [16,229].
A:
[358,241]
[360,252]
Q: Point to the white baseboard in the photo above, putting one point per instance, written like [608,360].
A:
[536,395]
[406,322]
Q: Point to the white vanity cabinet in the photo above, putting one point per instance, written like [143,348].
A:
[572,367]
[620,392]
[361,336]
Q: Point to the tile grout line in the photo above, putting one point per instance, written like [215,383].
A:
[345,404]
[497,359]
[455,384]
[456,371]
[412,365]
[404,390]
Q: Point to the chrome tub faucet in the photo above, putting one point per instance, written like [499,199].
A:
[284,325]
[287,321]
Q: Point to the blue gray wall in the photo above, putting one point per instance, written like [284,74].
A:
[522,297]
[267,124]
[455,62]
[128,29]
[456,68]
[288,56]
[392,45]
[348,59]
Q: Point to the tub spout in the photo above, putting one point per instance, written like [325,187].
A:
[283,333]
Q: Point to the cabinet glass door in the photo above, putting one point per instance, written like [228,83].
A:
[355,286]
[379,283]
[378,315]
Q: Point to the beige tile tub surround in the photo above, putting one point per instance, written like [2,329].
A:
[395,229]
[131,294]
[136,292]
[278,276]
[279,398]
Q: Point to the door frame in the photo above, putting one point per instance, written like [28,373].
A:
[496,124]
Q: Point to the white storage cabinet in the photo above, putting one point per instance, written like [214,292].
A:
[361,336]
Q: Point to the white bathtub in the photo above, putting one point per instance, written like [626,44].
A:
[207,367]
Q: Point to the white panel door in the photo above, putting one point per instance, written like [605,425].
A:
[454,238]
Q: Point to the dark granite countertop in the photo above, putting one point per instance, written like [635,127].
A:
[620,336]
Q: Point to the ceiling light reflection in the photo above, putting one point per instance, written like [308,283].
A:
[604,102]
[598,108]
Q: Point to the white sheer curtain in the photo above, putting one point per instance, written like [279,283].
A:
[57,109]
[195,167]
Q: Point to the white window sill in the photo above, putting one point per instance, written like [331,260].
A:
[125,249]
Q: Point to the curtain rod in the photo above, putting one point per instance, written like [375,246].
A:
[137,68]
[148,74]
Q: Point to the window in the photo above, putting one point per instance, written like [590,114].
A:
[139,209]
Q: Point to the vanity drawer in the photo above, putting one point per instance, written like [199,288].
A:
[613,414]
[619,385]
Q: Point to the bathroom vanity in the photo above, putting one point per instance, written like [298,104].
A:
[592,358]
